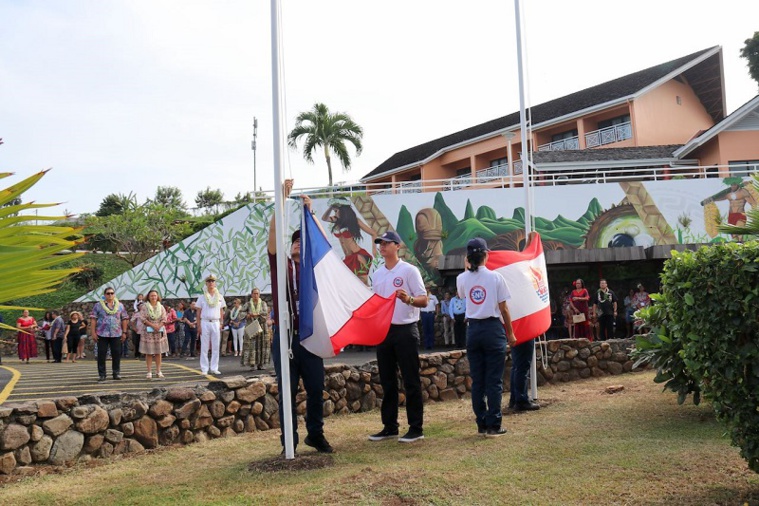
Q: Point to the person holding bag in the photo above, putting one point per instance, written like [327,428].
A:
[578,300]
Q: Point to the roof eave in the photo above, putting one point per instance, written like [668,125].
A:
[726,123]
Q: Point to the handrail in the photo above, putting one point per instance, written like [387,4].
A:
[538,178]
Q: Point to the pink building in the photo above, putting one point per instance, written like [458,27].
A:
[671,117]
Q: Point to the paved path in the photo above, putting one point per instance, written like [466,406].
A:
[21,382]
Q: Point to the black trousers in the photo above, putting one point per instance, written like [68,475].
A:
[400,350]
[104,343]
[606,327]
[57,345]
[459,330]
[309,367]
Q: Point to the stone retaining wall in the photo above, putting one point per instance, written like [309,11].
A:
[78,429]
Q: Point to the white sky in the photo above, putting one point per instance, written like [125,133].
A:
[124,96]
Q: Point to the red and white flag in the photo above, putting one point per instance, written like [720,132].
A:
[525,273]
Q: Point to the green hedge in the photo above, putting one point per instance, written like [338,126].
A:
[708,315]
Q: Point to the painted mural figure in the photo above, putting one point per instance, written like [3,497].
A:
[737,196]
[347,227]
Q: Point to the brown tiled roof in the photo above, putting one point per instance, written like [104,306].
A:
[606,154]
[707,87]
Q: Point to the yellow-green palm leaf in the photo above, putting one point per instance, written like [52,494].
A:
[28,252]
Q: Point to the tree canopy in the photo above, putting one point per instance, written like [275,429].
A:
[751,53]
[330,131]
[116,203]
[209,199]
[169,197]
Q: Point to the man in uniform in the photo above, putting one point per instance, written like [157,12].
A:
[210,309]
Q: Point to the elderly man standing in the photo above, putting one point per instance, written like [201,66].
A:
[108,325]
[57,329]
[210,309]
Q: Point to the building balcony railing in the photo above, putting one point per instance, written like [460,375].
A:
[608,135]
[561,145]
[458,182]
[499,177]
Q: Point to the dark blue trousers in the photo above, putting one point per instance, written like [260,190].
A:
[428,328]
[307,366]
[521,358]
[486,349]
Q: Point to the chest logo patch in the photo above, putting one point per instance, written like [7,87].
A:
[398,282]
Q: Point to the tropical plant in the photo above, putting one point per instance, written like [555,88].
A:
[27,251]
[710,307]
[752,216]
[116,203]
[751,53]
[137,234]
[321,128]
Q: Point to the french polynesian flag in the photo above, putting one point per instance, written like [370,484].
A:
[336,308]
[525,273]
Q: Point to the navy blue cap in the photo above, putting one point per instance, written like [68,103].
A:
[476,245]
[389,236]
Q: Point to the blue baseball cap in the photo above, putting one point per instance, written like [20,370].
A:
[389,236]
[476,245]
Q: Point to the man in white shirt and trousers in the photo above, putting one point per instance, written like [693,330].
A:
[210,311]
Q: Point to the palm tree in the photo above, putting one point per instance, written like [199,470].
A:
[320,127]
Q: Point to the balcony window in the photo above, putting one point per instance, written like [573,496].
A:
[562,141]
[625,118]
[743,168]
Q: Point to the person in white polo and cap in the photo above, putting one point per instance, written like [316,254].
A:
[210,310]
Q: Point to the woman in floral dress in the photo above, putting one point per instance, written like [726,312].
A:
[153,341]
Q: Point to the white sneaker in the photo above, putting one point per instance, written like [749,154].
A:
[216,372]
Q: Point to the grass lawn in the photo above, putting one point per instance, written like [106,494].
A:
[584,447]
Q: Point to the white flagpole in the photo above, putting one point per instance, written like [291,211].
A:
[525,171]
[279,225]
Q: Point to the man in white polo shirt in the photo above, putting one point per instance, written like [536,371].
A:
[399,349]
[210,311]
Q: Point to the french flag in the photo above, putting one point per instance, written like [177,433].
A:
[336,308]
[525,273]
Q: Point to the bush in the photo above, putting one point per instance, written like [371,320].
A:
[661,350]
[710,310]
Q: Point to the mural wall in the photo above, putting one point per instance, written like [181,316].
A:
[567,217]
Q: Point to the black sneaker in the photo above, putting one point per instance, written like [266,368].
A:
[481,431]
[526,406]
[384,434]
[101,379]
[117,376]
[495,432]
[411,436]
[320,443]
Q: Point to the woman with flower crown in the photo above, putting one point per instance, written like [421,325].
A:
[153,342]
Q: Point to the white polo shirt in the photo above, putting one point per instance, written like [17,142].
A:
[432,303]
[208,312]
[482,290]
[403,276]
